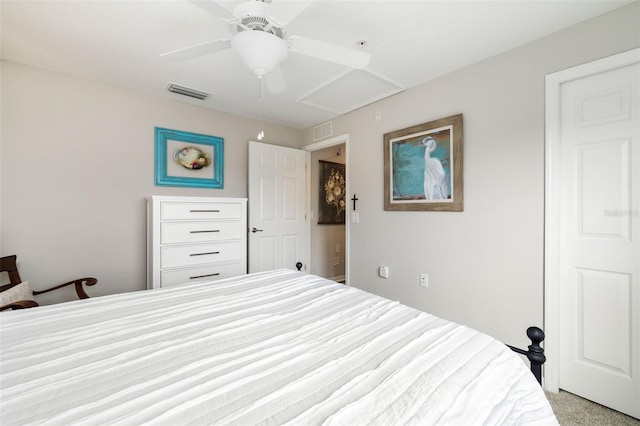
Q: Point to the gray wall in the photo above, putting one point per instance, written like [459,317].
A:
[77,164]
[485,264]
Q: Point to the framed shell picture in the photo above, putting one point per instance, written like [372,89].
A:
[188,159]
[332,191]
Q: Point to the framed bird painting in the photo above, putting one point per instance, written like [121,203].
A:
[423,167]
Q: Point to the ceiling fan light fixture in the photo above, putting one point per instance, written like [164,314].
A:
[260,51]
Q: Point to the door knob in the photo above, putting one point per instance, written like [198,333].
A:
[254,230]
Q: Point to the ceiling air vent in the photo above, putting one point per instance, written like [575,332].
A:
[187,91]
[322,131]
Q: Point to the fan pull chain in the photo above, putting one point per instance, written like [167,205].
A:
[261,100]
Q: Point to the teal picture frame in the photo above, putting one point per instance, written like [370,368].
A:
[188,159]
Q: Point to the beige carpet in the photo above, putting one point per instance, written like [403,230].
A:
[571,410]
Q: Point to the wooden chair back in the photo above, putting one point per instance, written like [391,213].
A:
[8,264]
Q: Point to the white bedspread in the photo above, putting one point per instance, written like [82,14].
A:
[271,348]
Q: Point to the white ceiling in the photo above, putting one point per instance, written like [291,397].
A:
[119,42]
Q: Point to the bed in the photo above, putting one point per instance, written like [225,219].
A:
[278,347]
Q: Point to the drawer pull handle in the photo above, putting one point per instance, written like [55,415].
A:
[200,232]
[204,254]
[204,276]
[204,211]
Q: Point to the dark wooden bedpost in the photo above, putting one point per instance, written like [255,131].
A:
[535,354]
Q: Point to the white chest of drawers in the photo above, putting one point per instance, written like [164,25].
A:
[192,239]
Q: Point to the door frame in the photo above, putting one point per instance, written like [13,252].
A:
[337,140]
[553,202]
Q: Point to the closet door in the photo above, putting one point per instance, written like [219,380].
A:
[598,234]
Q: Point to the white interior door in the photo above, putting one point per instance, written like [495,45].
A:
[277,205]
[599,234]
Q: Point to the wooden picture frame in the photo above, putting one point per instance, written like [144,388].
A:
[188,159]
[423,167]
[332,200]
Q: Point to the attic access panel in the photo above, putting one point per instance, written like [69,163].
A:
[350,91]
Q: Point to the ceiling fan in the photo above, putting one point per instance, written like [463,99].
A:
[260,41]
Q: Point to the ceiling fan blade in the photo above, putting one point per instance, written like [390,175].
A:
[329,52]
[216,8]
[283,12]
[275,81]
[199,49]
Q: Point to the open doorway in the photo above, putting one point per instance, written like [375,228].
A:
[328,241]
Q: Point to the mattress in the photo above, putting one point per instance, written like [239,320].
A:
[279,347]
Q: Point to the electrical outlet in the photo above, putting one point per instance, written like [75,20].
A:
[383,271]
[424,280]
[336,261]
